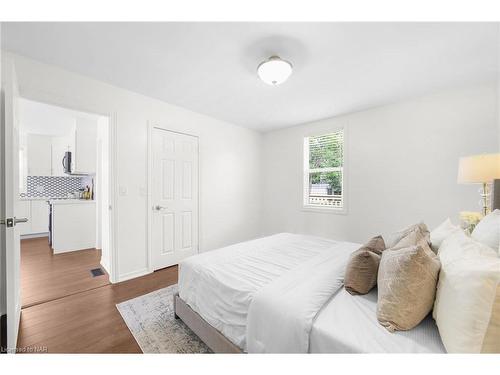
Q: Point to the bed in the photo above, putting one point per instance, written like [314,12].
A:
[283,293]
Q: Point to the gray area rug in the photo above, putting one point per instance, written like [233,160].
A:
[151,320]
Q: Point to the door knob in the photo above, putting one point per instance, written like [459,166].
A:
[12,221]
[159,208]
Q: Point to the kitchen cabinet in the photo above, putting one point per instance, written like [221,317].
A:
[24,209]
[37,213]
[39,155]
[85,153]
[44,153]
[73,225]
[39,216]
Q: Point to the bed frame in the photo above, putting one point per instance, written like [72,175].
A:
[215,340]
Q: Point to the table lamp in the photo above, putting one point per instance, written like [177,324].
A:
[479,169]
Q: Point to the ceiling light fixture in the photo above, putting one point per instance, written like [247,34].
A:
[274,70]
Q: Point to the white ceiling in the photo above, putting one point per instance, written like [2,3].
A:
[211,67]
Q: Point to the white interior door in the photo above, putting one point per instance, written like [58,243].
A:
[10,210]
[174,197]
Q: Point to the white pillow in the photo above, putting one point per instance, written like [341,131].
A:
[444,230]
[459,246]
[467,306]
[487,231]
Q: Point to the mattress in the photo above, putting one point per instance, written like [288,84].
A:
[219,284]
[348,324]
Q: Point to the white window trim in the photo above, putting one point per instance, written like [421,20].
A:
[305,174]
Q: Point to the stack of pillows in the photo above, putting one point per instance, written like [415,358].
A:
[445,271]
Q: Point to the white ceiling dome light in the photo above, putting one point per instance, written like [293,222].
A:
[274,70]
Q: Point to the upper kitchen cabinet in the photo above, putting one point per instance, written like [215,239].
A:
[39,155]
[48,132]
[85,153]
[44,154]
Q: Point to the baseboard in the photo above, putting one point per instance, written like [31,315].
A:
[34,235]
[105,266]
[133,275]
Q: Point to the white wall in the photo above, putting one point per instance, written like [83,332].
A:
[402,165]
[402,162]
[229,167]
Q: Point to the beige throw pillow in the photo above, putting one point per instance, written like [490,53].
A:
[362,269]
[407,280]
[392,239]
[413,238]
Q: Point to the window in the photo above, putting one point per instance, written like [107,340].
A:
[324,171]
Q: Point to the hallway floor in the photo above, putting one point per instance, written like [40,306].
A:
[46,276]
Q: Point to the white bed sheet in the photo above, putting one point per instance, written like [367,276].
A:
[220,284]
[348,324]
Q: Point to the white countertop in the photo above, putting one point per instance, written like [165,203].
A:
[71,201]
[34,198]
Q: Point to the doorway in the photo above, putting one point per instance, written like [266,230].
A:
[174,199]
[64,186]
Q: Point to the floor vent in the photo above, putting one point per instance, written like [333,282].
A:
[97,272]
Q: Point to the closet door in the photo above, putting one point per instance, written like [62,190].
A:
[174,197]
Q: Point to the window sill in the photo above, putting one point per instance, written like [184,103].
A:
[325,210]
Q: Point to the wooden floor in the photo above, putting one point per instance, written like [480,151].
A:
[45,276]
[88,322]
[85,321]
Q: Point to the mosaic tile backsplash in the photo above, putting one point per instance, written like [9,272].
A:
[53,186]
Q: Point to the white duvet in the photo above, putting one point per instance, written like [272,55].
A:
[277,284]
[281,314]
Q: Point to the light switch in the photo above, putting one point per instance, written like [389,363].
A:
[123,190]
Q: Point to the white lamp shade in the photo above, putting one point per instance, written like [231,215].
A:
[479,168]
[274,71]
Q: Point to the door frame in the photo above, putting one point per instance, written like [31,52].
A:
[53,99]
[10,295]
[149,205]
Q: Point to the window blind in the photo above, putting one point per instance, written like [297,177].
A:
[326,151]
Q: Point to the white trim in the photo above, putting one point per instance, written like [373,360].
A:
[345,171]
[149,203]
[133,274]
[324,210]
[34,235]
[324,170]
[104,265]
[113,196]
